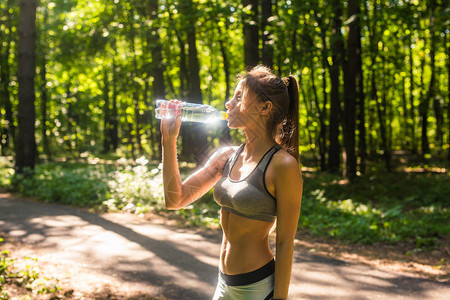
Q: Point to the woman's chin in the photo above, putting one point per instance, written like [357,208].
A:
[231,124]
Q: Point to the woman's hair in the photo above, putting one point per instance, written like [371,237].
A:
[283,93]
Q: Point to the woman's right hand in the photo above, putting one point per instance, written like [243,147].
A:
[170,128]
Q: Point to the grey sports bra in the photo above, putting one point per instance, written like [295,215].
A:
[247,197]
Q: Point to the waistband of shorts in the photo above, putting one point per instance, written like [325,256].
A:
[250,277]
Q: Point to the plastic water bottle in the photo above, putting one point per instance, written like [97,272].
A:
[191,112]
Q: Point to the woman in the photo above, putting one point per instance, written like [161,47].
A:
[255,184]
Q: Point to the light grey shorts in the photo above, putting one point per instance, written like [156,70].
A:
[256,285]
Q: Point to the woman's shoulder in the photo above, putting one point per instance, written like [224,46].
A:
[282,160]
[286,169]
[225,151]
[220,156]
[284,163]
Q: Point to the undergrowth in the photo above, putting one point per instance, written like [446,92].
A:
[381,207]
[24,275]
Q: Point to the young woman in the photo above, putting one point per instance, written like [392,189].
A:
[256,184]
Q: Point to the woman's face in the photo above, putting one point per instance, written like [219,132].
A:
[243,108]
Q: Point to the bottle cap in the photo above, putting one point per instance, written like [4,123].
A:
[223,115]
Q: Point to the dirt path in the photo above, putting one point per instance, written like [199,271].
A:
[122,256]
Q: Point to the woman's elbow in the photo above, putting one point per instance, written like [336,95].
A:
[171,203]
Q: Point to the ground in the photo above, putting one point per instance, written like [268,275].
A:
[399,259]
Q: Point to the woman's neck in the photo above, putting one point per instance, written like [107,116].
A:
[257,144]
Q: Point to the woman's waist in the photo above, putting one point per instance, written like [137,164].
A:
[250,277]
[237,258]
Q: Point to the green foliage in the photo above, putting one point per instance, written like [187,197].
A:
[384,208]
[374,208]
[77,184]
[27,275]
[6,171]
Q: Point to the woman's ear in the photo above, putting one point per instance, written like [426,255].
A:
[267,108]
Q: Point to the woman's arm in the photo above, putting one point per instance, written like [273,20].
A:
[179,194]
[288,188]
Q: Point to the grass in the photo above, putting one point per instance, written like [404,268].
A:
[24,277]
[379,207]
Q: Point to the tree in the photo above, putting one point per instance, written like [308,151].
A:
[251,33]
[337,50]
[8,131]
[267,40]
[351,74]
[26,143]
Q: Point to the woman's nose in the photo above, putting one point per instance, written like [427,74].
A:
[229,104]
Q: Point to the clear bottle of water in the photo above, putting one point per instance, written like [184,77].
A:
[191,112]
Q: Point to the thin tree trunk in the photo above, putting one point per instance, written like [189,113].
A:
[425,103]
[114,132]
[26,142]
[308,113]
[350,93]
[412,108]
[322,149]
[44,100]
[361,98]
[437,108]
[184,76]
[225,137]
[107,115]
[267,42]
[43,84]
[337,50]
[251,34]
[135,87]
[323,110]
[194,142]
[448,92]
[8,132]
[381,110]
[157,68]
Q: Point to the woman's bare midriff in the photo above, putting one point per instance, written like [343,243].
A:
[245,244]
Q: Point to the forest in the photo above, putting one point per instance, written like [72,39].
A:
[79,81]
[83,76]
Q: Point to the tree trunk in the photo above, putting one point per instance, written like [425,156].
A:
[430,98]
[437,108]
[319,112]
[183,60]
[323,110]
[114,131]
[43,83]
[135,87]
[195,145]
[412,108]
[8,132]
[425,103]
[225,137]
[308,112]
[44,100]
[448,92]
[251,33]
[337,50]
[381,111]
[157,68]
[361,98]
[267,41]
[106,115]
[350,92]
[26,142]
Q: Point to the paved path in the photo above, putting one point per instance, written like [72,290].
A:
[127,253]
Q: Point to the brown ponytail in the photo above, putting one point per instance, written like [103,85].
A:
[283,93]
[288,133]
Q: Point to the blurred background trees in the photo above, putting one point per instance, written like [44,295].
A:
[374,75]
